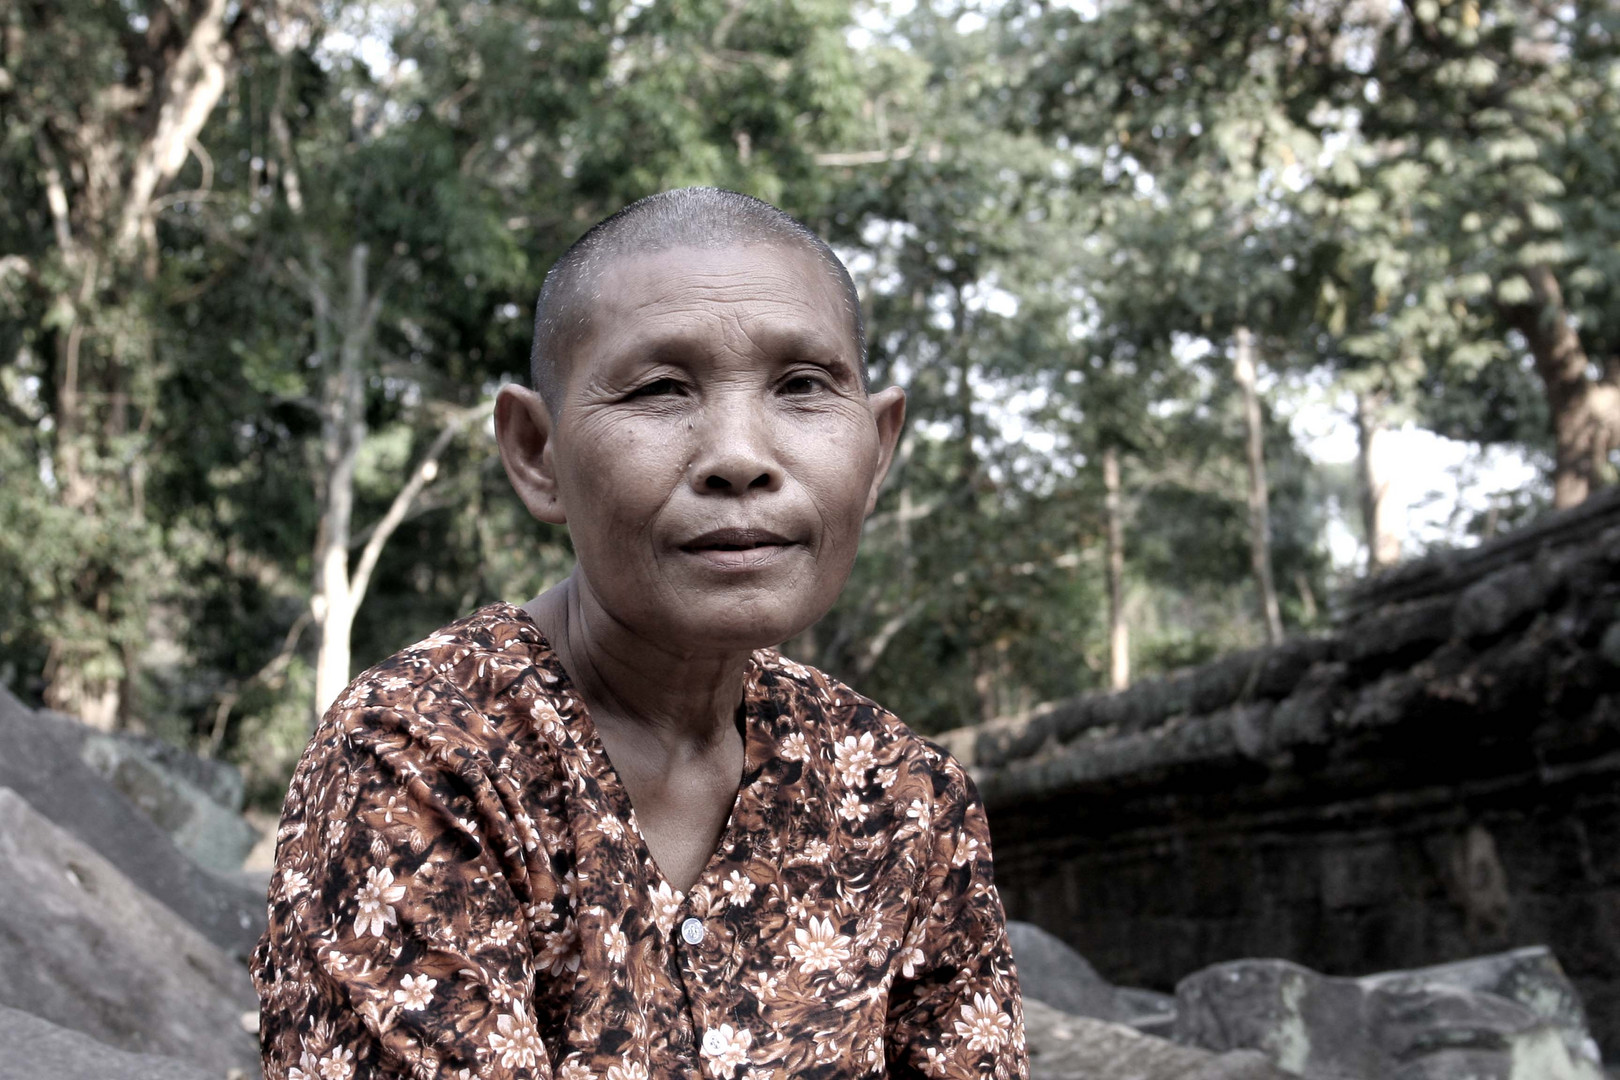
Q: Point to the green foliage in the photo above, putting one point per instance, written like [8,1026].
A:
[1059,217]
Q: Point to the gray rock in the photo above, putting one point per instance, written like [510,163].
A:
[41,763]
[1064,1047]
[219,781]
[83,947]
[1398,1025]
[179,792]
[35,1049]
[1051,972]
[1532,977]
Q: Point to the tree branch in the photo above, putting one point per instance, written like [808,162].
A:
[421,476]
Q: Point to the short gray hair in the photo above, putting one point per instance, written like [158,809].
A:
[696,217]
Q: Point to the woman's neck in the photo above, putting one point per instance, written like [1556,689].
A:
[684,701]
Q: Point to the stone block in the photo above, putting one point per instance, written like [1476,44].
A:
[1531,977]
[1064,1047]
[1489,607]
[1285,666]
[1418,1025]
[179,793]
[1399,632]
[36,1049]
[1051,972]
[42,764]
[1222,682]
[83,947]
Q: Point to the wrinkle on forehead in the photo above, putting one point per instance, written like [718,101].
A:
[781,303]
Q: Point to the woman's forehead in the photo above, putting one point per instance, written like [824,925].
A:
[753,297]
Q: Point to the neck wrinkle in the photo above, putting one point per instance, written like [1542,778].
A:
[635,684]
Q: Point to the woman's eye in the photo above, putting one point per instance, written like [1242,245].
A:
[803,384]
[657,388]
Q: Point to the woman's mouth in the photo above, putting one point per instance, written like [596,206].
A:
[739,549]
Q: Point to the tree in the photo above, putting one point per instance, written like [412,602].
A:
[92,145]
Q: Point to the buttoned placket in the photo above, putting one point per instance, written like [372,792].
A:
[699,939]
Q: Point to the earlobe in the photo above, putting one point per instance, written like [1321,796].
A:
[523,431]
[889,413]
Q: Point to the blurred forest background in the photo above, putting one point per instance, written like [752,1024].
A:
[263,263]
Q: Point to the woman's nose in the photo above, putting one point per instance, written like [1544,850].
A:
[735,451]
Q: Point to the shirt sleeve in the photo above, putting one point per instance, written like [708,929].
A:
[955,1010]
[398,943]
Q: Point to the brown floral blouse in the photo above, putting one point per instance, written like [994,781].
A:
[461,890]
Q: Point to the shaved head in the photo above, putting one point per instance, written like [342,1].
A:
[687,218]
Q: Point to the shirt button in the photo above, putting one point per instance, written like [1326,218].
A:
[692,933]
[713,1042]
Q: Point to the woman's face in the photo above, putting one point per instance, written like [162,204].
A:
[713,451]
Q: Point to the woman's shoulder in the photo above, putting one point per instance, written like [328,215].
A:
[464,679]
[842,721]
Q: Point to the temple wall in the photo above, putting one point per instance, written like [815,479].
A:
[1437,779]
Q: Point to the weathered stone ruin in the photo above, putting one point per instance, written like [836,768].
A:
[121,957]
[1434,780]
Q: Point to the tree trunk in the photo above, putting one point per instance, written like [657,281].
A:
[1119,639]
[104,162]
[1377,509]
[1243,370]
[343,429]
[1585,410]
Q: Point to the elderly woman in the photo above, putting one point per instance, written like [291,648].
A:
[611,834]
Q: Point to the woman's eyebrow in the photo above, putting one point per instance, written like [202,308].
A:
[789,344]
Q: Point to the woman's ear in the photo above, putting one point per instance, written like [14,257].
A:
[523,430]
[889,413]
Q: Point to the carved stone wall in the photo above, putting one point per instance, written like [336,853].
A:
[1438,778]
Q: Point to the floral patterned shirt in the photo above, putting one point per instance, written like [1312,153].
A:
[461,890]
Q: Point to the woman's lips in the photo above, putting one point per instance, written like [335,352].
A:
[739,549]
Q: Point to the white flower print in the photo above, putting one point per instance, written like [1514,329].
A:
[764,986]
[731,1049]
[851,808]
[375,901]
[795,747]
[818,947]
[739,889]
[911,956]
[984,1024]
[816,851]
[308,1067]
[415,991]
[967,849]
[612,827]
[919,816]
[935,1062]
[515,1042]
[337,1065]
[561,951]
[502,932]
[574,1069]
[666,904]
[617,944]
[628,1070]
[294,883]
[855,757]
[911,960]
